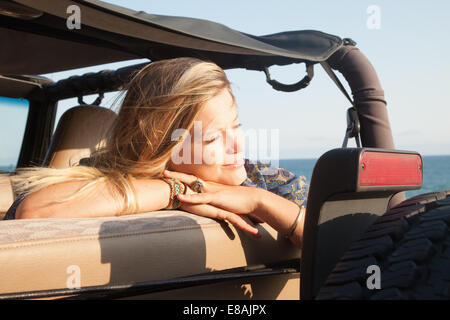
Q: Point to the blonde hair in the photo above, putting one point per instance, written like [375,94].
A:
[162,97]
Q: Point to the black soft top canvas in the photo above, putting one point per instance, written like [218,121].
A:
[111,33]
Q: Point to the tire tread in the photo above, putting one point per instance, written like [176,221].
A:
[411,245]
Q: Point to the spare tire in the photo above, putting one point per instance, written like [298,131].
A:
[410,244]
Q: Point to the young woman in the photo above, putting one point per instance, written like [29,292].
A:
[176,143]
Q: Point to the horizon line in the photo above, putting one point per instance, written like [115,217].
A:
[308,158]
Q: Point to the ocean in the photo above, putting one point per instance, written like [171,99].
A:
[436,172]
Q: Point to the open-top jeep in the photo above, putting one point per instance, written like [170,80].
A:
[357,219]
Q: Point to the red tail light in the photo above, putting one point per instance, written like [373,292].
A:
[378,169]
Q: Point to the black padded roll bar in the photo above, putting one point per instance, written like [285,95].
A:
[368,100]
[90,83]
[368,96]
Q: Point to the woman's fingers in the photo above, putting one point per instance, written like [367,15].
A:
[230,200]
[254,218]
[197,198]
[209,211]
[243,223]
[189,179]
[183,177]
[247,219]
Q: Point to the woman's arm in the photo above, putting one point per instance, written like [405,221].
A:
[281,214]
[233,202]
[151,195]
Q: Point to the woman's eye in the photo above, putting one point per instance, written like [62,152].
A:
[237,126]
[212,139]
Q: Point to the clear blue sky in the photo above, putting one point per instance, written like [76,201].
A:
[409,51]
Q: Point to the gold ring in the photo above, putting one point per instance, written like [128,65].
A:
[198,186]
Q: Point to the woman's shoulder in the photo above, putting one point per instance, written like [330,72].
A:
[281,181]
[11,213]
[270,175]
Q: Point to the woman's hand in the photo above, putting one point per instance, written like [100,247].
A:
[189,179]
[236,204]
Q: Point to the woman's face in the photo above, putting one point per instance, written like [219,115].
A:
[214,149]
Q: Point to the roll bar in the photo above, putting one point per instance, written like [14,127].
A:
[368,96]
[368,99]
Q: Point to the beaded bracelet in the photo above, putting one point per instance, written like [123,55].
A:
[176,187]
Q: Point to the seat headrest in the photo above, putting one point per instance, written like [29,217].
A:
[80,131]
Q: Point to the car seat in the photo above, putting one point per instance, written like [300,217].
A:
[80,131]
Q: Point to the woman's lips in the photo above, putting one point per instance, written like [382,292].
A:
[234,165]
